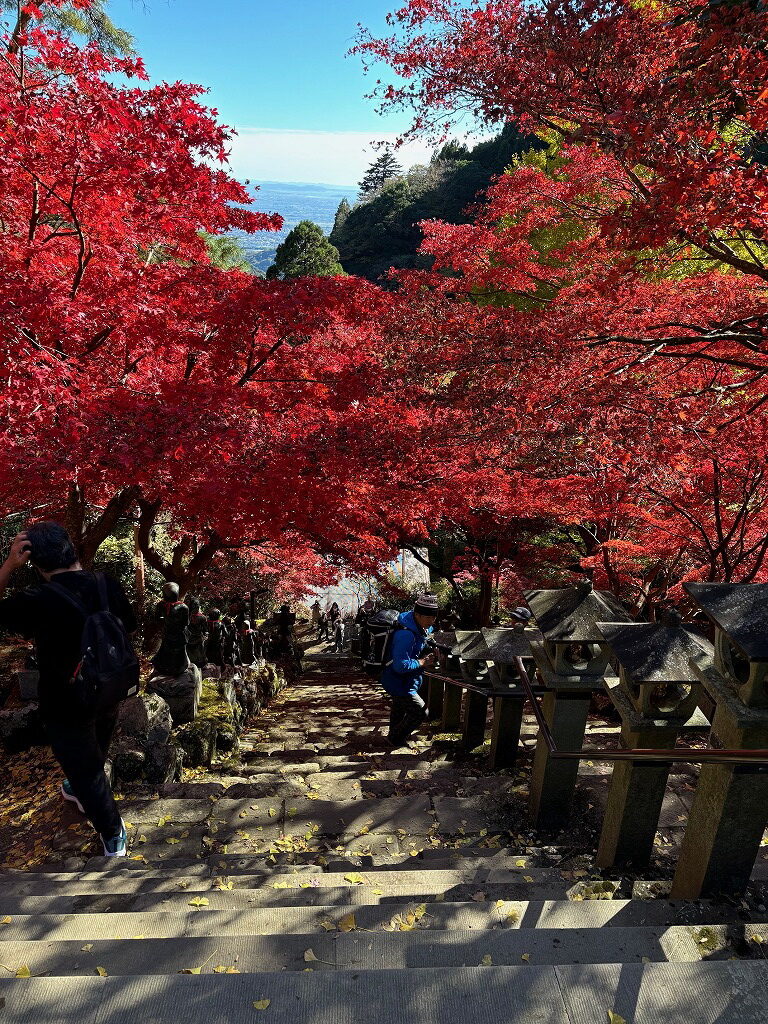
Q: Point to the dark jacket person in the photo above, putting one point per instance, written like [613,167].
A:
[80,739]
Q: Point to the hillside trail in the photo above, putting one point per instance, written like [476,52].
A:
[334,880]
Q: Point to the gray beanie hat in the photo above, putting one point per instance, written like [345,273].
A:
[427,604]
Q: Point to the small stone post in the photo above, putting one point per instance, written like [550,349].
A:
[730,808]
[657,697]
[571,661]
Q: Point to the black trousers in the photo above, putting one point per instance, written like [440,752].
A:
[81,745]
[407,714]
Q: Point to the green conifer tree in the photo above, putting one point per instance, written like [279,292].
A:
[382,170]
[226,253]
[306,252]
[91,22]
[342,213]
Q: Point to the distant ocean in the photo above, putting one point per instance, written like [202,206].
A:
[294,202]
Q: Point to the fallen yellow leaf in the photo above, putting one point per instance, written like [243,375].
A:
[355,878]
[23,972]
[101,971]
[6,920]
[86,948]
[615,1018]
[261,1004]
[198,901]
[487,961]
[526,957]
[347,923]
[223,969]
[309,956]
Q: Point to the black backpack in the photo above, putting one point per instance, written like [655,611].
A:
[109,669]
[376,640]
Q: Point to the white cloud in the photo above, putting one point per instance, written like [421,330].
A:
[332,158]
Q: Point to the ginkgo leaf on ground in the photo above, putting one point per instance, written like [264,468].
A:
[615,1018]
[101,971]
[224,969]
[261,1004]
[487,961]
[6,920]
[198,901]
[347,923]
[355,878]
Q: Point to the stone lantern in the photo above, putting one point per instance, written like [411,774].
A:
[488,661]
[657,695]
[444,700]
[730,809]
[572,660]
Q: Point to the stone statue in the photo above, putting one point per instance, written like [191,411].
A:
[232,625]
[171,659]
[247,645]
[214,648]
[198,633]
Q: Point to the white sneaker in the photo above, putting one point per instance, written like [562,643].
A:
[117,846]
[68,794]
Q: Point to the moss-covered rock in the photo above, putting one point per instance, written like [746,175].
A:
[198,742]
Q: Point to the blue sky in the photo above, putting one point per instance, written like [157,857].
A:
[278,73]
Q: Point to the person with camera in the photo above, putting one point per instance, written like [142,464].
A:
[410,652]
[56,614]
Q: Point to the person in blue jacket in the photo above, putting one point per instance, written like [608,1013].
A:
[402,675]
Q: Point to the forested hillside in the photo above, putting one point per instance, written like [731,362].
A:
[383,232]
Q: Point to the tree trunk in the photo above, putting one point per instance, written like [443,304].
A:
[22,25]
[485,601]
[175,571]
[88,537]
[141,581]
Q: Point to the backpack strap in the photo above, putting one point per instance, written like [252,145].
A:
[69,597]
[101,587]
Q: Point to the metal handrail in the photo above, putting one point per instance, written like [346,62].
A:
[706,756]
[486,691]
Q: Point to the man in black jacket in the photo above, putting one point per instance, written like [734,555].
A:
[80,740]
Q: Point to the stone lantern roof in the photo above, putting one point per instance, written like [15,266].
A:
[465,639]
[504,644]
[475,649]
[655,653]
[571,615]
[740,610]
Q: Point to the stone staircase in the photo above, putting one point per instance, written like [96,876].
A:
[335,881]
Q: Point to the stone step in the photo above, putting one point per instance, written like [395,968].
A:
[361,950]
[700,993]
[519,883]
[176,919]
[30,915]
